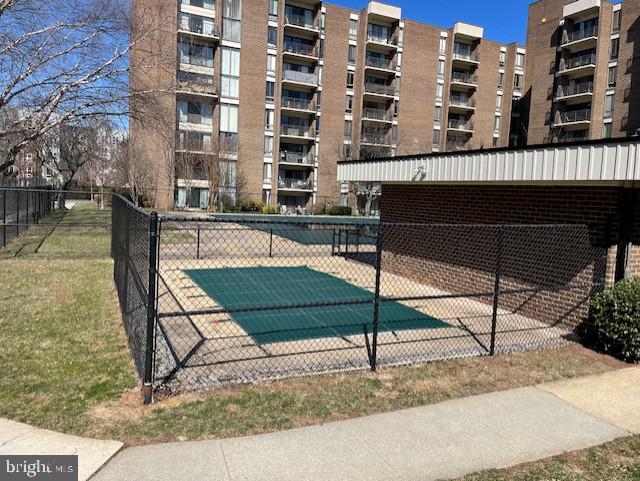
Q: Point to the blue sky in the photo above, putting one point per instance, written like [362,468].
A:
[503,20]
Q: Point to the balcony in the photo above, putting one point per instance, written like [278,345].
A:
[229,142]
[305,185]
[193,143]
[461,126]
[301,49]
[195,27]
[466,58]
[298,159]
[455,145]
[580,65]
[376,138]
[464,79]
[197,89]
[379,63]
[377,115]
[298,131]
[462,103]
[383,42]
[582,39]
[379,89]
[301,22]
[573,118]
[297,77]
[298,104]
[575,93]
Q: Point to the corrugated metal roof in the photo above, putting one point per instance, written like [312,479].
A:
[605,162]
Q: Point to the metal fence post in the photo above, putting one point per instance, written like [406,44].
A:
[496,290]
[17,213]
[376,302]
[198,244]
[271,243]
[4,219]
[151,308]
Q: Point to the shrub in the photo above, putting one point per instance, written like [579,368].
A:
[229,208]
[251,206]
[340,210]
[269,210]
[614,321]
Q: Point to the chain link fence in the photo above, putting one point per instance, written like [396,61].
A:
[218,301]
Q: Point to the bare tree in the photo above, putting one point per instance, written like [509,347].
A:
[67,60]
[132,174]
[220,171]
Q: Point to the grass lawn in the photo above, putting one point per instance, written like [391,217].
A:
[66,365]
[615,461]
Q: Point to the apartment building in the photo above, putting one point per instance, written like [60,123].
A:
[583,70]
[277,91]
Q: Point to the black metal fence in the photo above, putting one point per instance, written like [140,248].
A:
[210,302]
[22,204]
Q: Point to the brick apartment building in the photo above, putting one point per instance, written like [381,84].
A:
[583,70]
[277,91]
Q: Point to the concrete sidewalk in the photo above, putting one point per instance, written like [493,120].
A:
[21,439]
[441,441]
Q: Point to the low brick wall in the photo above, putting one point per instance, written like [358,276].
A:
[461,258]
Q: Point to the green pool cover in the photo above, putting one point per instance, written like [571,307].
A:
[259,288]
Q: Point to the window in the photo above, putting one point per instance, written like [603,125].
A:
[613,73]
[498,122]
[499,102]
[439,91]
[196,54]
[271,63]
[352,54]
[436,138]
[396,109]
[616,21]
[208,4]
[349,104]
[609,103]
[272,36]
[273,9]
[195,112]
[615,48]
[268,145]
[495,141]
[353,29]
[503,58]
[229,127]
[350,80]
[231,15]
[346,151]
[443,45]
[441,66]
[438,114]
[230,72]
[271,91]
[378,33]
[348,127]
[266,173]
[500,80]
[518,81]
[520,60]
[269,119]
[607,131]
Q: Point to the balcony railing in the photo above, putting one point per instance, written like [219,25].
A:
[392,40]
[197,87]
[298,104]
[456,145]
[575,89]
[297,184]
[466,56]
[200,29]
[196,119]
[576,62]
[462,102]
[382,63]
[377,114]
[193,145]
[573,116]
[301,21]
[297,158]
[197,61]
[302,77]
[381,89]
[297,131]
[299,48]
[229,142]
[465,78]
[570,37]
[460,124]
[376,138]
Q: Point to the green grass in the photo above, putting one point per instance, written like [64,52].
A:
[615,461]
[67,367]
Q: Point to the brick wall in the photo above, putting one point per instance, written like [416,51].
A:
[463,259]
[627,119]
